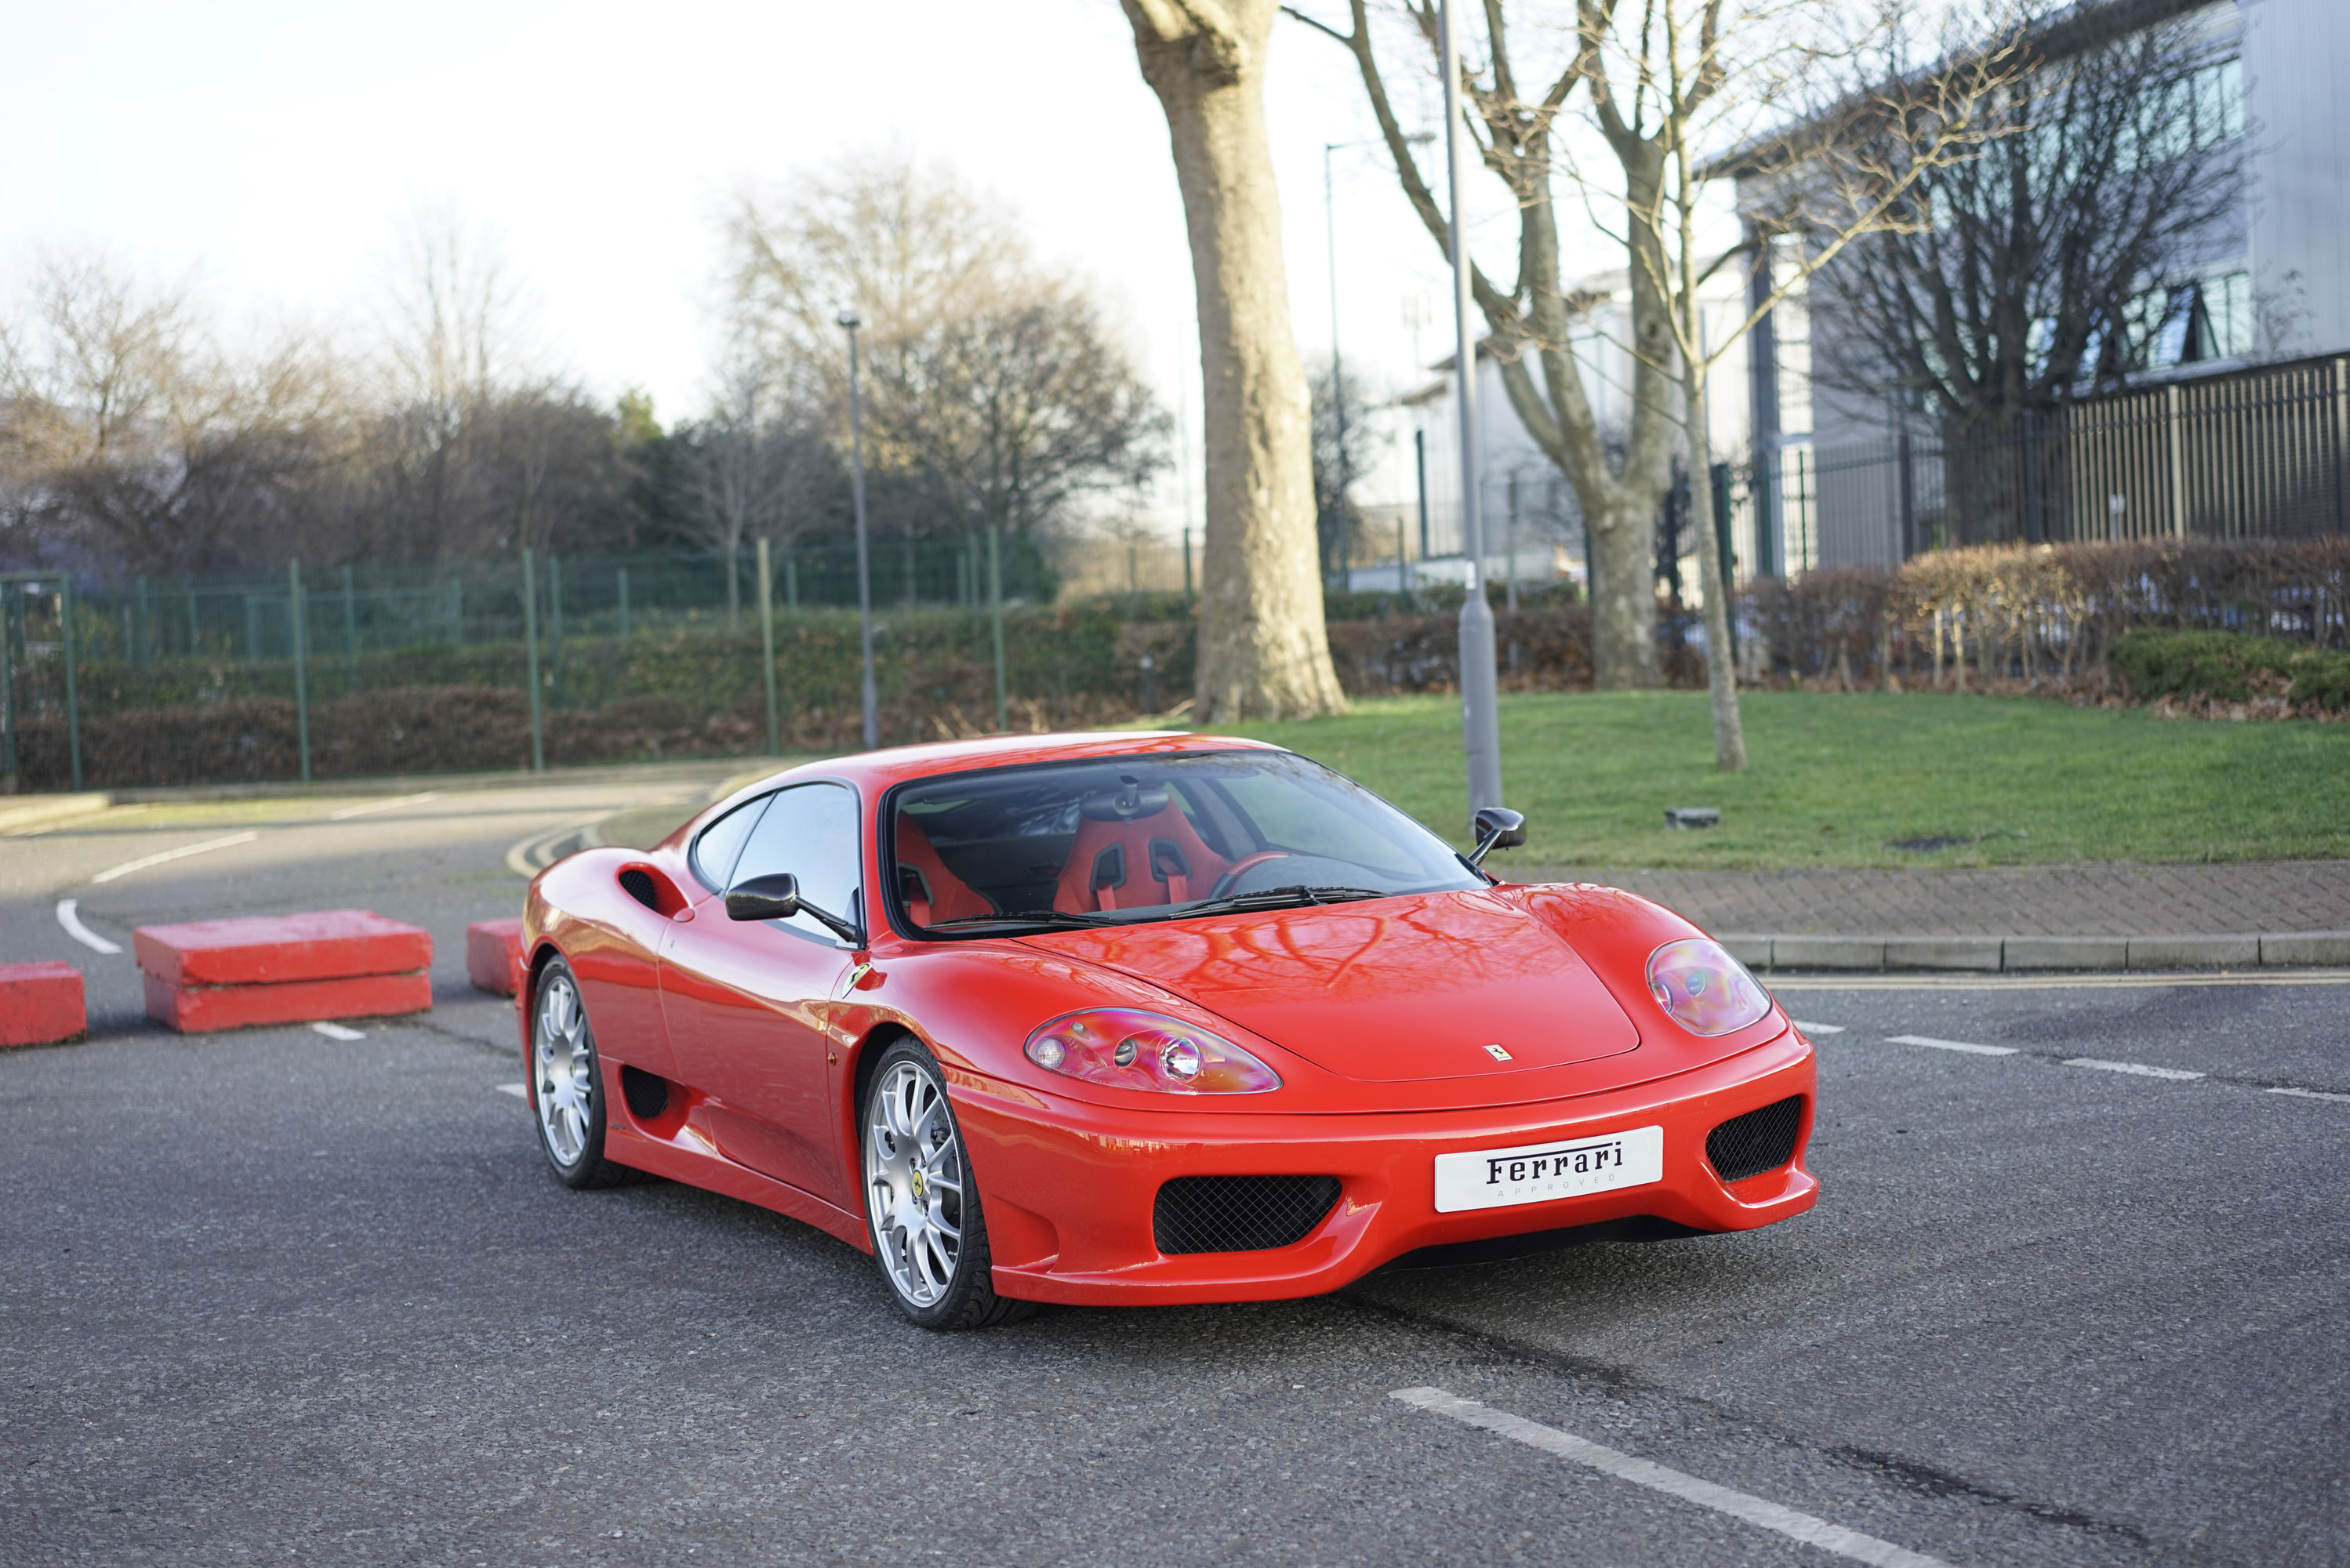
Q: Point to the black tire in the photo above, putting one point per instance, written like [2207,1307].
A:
[909,1149]
[565,1082]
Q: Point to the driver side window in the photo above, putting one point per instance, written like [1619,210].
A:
[810,831]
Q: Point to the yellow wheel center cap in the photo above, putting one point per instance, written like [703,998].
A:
[918,1184]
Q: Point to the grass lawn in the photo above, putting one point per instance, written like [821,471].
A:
[1835,779]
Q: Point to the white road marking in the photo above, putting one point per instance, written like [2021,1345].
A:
[181,853]
[2138,1069]
[531,855]
[1817,1028]
[1802,1527]
[1929,1040]
[351,810]
[519,1091]
[2064,983]
[71,921]
[2312,1095]
[337,1032]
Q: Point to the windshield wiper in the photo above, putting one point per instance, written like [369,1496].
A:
[1287,898]
[1049,919]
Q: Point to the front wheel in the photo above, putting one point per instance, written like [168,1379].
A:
[567,1087]
[922,1207]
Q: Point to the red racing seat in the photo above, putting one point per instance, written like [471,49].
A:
[931,891]
[1135,847]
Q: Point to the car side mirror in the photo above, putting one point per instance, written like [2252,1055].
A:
[772,898]
[1498,827]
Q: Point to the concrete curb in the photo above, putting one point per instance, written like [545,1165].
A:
[2014,954]
[49,808]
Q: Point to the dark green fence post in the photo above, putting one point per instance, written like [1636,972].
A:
[530,643]
[350,633]
[296,627]
[791,582]
[623,575]
[457,612]
[995,603]
[251,630]
[191,618]
[554,620]
[9,597]
[767,646]
[73,691]
[1187,564]
[146,638]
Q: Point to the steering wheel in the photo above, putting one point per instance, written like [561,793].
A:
[1224,883]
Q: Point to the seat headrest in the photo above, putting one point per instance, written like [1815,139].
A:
[1124,804]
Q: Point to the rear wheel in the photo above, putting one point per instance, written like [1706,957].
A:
[922,1207]
[567,1086]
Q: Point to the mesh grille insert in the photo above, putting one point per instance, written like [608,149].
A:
[1756,1142]
[638,885]
[1239,1213]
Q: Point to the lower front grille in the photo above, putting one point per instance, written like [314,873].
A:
[1756,1142]
[1239,1213]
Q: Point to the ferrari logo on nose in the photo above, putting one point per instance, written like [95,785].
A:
[1497,1053]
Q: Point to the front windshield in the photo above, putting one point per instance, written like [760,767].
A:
[1148,838]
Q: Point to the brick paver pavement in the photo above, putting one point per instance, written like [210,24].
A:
[2093,900]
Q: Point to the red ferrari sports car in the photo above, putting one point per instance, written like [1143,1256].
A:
[1134,1017]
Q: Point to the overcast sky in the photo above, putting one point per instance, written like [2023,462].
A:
[270,148]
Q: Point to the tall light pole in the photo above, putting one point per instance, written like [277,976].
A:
[1481,727]
[851,320]
[1337,376]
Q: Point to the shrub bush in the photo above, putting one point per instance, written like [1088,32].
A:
[2230,668]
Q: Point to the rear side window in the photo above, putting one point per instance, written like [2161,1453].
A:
[720,844]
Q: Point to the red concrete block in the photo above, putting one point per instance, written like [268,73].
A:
[201,1009]
[40,1003]
[493,956]
[270,950]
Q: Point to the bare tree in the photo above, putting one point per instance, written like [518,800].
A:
[1684,74]
[130,438]
[1620,483]
[1343,447]
[1263,650]
[995,394]
[2049,267]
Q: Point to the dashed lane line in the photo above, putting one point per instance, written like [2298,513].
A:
[181,853]
[1932,1044]
[519,1091]
[70,916]
[1778,983]
[374,805]
[2100,1064]
[2138,1069]
[1817,1028]
[1806,1528]
[337,1032]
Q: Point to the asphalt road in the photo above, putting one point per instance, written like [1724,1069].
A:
[270,1296]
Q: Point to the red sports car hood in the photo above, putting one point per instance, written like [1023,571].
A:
[1387,989]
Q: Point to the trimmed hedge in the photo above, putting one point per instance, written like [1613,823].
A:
[2230,667]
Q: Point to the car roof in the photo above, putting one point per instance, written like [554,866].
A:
[882,770]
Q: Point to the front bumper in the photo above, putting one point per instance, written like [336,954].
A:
[1069,1186]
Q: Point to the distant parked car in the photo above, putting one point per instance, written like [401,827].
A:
[1111,1019]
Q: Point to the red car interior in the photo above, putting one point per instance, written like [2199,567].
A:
[931,891]
[1136,847]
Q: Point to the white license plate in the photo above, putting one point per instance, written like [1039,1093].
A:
[1537,1172]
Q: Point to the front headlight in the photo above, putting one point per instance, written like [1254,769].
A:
[1706,990]
[1126,1048]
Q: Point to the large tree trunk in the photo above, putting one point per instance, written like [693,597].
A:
[1262,649]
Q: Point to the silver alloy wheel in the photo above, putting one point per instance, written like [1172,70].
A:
[563,1060]
[913,1182]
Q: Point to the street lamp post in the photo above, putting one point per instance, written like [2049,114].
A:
[1481,728]
[851,320]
